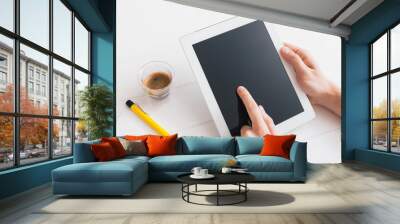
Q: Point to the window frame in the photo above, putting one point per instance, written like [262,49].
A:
[16,115]
[388,74]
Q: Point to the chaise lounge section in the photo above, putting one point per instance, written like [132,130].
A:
[125,176]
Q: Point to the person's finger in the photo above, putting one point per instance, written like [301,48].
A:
[257,121]
[268,120]
[246,131]
[304,55]
[294,60]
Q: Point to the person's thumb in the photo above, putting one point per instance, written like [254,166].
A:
[294,60]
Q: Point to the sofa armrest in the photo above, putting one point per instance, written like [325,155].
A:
[83,152]
[298,155]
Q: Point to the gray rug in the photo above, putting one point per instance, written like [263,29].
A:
[166,198]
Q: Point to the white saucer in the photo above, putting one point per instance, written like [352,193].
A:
[208,176]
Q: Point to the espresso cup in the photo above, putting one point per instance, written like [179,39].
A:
[156,78]
[226,170]
[196,171]
[203,172]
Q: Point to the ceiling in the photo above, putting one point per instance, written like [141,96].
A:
[320,9]
[327,16]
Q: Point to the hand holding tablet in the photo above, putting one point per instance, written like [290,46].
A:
[321,91]
[244,52]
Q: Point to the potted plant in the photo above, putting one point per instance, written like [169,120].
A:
[96,104]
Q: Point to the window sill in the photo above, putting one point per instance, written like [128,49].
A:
[26,167]
[387,160]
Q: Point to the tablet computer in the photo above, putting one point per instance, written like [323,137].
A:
[245,52]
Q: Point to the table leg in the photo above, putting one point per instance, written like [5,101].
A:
[245,193]
[217,194]
[188,190]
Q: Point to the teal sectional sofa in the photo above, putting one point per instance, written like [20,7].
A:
[125,176]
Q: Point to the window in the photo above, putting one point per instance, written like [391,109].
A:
[30,72]
[385,94]
[81,45]
[62,29]
[3,78]
[7,14]
[30,87]
[38,73]
[34,21]
[3,61]
[6,73]
[40,124]
[37,91]
[62,74]
[44,91]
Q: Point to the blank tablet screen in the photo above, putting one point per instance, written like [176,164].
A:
[247,56]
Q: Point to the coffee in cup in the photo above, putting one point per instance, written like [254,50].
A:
[156,78]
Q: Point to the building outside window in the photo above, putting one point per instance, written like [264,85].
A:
[385,95]
[57,127]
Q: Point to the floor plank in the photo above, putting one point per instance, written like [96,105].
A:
[378,189]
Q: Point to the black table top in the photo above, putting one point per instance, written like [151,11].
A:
[220,178]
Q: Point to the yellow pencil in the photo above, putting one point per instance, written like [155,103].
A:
[146,118]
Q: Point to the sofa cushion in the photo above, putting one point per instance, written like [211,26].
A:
[103,152]
[257,163]
[112,171]
[248,145]
[161,145]
[277,145]
[134,147]
[193,145]
[185,163]
[83,152]
[116,145]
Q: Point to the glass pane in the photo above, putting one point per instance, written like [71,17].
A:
[6,74]
[7,14]
[395,47]
[33,139]
[395,136]
[379,135]
[62,89]
[35,21]
[62,29]
[379,56]
[379,97]
[6,142]
[81,81]
[395,94]
[62,138]
[81,45]
[81,131]
[34,97]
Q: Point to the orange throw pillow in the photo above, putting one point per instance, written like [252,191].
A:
[116,145]
[277,145]
[142,138]
[161,145]
[103,152]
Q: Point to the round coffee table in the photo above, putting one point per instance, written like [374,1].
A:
[238,179]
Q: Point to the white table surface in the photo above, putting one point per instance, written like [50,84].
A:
[150,31]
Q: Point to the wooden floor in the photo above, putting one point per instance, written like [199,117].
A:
[351,181]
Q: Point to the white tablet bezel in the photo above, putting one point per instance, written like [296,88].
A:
[189,40]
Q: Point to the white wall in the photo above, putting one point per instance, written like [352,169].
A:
[150,30]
